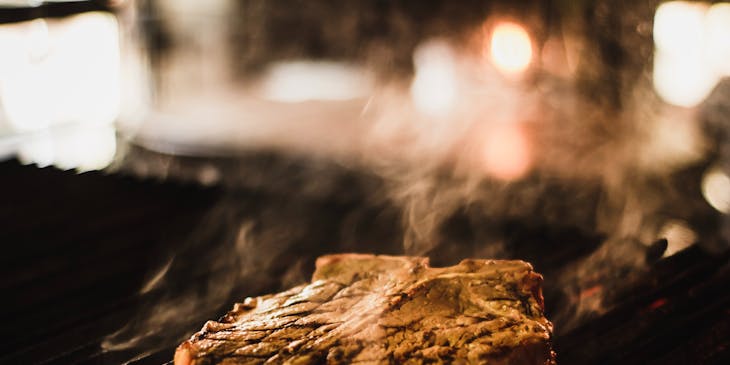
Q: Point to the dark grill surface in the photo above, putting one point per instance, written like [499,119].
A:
[77,249]
[678,313]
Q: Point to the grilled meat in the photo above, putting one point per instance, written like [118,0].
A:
[366,309]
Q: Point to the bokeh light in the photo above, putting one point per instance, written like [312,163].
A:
[692,49]
[60,89]
[717,27]
[510,48]
[434,87]
[298,81]
[506,151]
[716,189]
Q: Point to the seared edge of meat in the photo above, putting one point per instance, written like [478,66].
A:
[386,309]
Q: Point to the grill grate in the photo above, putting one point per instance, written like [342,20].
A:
[671,315]
[78,247]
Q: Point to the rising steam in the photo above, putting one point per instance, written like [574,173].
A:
[458,160]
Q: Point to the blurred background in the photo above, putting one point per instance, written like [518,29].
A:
[164,159]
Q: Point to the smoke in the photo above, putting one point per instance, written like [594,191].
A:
[166,300]
[263,235]
[576,169]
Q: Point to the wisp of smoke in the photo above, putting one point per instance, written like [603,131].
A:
[588,173]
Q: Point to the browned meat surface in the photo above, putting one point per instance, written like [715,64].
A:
[366,309]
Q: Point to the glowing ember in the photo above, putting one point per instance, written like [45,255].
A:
[510,48]
[658,304]
[592,291]
[507,152]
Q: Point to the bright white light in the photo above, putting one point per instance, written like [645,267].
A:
[60,71]
[506,152]
[299,81]
[434,87]
[717,29]
[510,48]
[85,148]
[22,84]
[678,26]
[37,40]
[22,3]
[86,73]
[89,148]
[37,149]
[682,79]
[692,50]
[716,189]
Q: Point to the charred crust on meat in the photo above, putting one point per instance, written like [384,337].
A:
[367,309]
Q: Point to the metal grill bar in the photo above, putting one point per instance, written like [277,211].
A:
[71,284]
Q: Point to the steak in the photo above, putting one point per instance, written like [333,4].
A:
[366,309]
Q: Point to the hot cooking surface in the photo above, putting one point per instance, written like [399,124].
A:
[86,255]
[76,248]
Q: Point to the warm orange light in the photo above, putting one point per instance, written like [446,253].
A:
[506,152]
[510,48]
